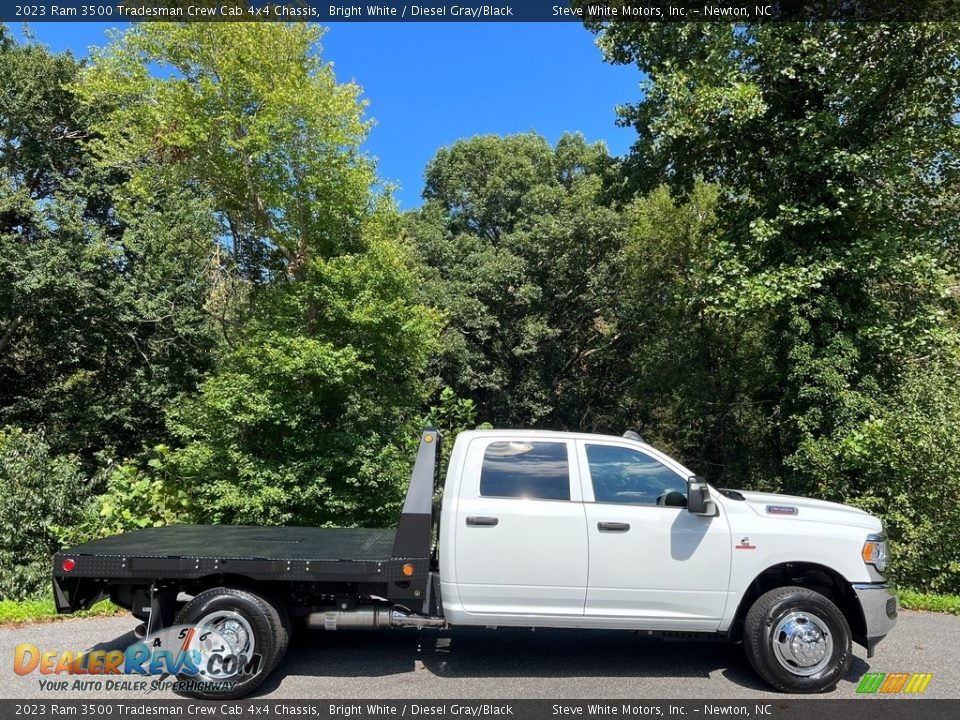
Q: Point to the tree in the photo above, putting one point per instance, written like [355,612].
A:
[311,425]
[523,253]
[836,149]
[102,315]
[319,382]
[693,374]
[249,116]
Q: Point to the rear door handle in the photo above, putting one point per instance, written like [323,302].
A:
[613,527]
[482,521]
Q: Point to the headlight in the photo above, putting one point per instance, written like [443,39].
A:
[875,552]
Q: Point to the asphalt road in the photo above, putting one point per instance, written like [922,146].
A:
[508,664]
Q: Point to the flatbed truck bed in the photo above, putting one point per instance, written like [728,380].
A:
[261,553]
[135,569]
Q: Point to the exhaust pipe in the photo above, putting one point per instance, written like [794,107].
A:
[402,619]
[370,617]
[140,631]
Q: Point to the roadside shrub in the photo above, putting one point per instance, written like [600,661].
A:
[141,493]
[903,465]
[40,495]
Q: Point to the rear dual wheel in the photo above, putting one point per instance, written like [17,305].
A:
[251,634]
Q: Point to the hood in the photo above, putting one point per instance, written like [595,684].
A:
[790,507]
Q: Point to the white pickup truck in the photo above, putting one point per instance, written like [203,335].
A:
[537,529]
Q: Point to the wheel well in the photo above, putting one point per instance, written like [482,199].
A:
[299,598]
[240,582]
[819,578]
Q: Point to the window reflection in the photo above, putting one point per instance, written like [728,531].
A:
[536,470]
[623,475]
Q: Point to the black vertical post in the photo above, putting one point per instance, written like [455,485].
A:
[415,532]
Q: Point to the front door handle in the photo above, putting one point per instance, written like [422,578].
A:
[482,521]
[613,527]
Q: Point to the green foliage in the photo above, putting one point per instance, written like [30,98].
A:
[836,204]
[913,600]
[140,492]
[321,376]
[451,415]
[903,464]
[194,261]
[310,425]
[136,497]
[251,117]
[693,373]
[40,494]
[827,284]
[522,254]
[102,316]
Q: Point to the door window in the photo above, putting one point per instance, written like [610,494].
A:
[536,470]
[624,475]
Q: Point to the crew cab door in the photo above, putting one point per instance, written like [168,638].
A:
[520,534]
[651,561]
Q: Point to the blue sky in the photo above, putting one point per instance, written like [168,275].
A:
[430,84]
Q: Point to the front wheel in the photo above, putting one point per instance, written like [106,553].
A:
[797,640]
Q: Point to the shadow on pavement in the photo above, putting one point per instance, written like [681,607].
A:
[507,652]
[510,652]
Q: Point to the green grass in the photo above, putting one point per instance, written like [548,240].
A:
[42,610]
[928,601]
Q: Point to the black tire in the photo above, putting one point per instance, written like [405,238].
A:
[286,625]
[268,622]
[797,613]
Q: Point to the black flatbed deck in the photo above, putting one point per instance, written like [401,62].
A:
[247,541]
[295,561]
[270,553]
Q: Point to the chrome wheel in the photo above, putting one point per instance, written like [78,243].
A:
[232,636]
[802,643]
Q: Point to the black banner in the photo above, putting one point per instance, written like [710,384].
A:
[873,708]
[471,11]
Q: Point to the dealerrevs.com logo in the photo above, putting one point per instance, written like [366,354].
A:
[196,656]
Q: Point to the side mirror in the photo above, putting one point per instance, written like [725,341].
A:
[699,501]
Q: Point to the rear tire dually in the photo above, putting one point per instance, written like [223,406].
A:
[251,625]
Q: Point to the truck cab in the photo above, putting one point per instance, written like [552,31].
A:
[576,530]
